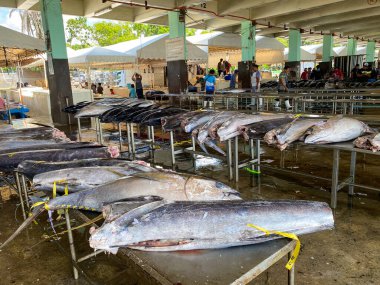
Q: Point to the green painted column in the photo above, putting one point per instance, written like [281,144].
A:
[294,46]
[351,46]
[57,66]
[177,28]
[248,41]
[177,73]
[370,51]
[328,43]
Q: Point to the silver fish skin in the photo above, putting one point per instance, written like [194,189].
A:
[337,129]
[197,121]
[208,225]
[217,120]
[230,128]
[168,185]
[93,110]
[84,178]
[292,132]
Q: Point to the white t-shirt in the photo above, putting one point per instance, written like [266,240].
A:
[255,75]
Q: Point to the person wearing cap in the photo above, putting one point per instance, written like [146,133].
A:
[234,79]
[283,86]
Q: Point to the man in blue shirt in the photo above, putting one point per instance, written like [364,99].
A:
[233,79]
[210,81]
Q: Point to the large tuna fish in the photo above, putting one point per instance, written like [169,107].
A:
[84,178]
[43,133]
[337,129]
[166,185]
[200,119]
[170,123]
[230,128]
[30,168]
[259,129]
[283,136]
[93,110]
[371,142]
[11,160]
[206,225]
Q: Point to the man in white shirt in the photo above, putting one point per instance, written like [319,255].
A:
[255,79]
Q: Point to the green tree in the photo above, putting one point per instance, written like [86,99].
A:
[109,33]
[78,30]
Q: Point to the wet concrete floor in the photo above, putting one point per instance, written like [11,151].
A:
[349,254]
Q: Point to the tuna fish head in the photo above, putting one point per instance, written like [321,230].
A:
[200,189]
[108,235]
[114,151]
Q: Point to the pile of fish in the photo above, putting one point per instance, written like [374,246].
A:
[211,127]
[145,207]
[124,110]
[370,142]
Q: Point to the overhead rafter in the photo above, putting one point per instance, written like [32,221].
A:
[228,6]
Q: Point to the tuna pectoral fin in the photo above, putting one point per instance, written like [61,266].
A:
[37,211]
[214,146]
[131,208]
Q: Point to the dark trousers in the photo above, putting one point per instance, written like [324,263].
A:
[140,93]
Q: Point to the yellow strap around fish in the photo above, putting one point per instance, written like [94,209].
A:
[292,236]
[39,204]
[55,187]
[297,116]
[182,142]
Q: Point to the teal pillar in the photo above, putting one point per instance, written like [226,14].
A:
[248,41]
[57,66]
[370,51]
[294,46]
[351,46]
[328,43]
[177,73]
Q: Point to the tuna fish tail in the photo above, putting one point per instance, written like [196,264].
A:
[203,147]
[36,212]
[214,146]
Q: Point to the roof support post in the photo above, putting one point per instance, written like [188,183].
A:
[57,66]
[327,52]
[351,46]
[248,41]
[294,45]
[176,53]
[370,51]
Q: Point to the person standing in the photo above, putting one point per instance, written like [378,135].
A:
[234,79]
[132,92]
[210,81]
[99,90]
[255,82]
[221,67]
[283,86]
[305,75]
[137,79]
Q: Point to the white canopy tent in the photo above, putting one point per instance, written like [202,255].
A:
[153,48]
[228,45]
[18,47]
[40,59]
[305,55]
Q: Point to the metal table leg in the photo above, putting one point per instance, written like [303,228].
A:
[252,152]
[120,137]
[236,159]
[133,146]
[229,159]
[100,132]
[335,178]
[257,150]
[291,274]
[172,147]
[25,189]
[79,130]
[18,185]
[129,137]
[352,173]
[71,243]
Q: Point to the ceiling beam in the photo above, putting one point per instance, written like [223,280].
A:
[269,31]
[26,4]
[348,16]
[327,10]
[228,6]
[342,24]
[288,6]
[141,15]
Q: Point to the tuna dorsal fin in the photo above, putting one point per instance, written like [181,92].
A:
[287,126]
[135,213]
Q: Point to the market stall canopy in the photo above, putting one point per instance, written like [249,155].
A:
[40,59]
[99,56]
[18,47]
[305,55]
[154,48]
[232,41]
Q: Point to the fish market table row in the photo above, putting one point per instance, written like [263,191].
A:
[336,182]
[235,265]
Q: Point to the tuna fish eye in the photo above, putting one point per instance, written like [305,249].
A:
[219,185]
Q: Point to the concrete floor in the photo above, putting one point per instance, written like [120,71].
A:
[349,254]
